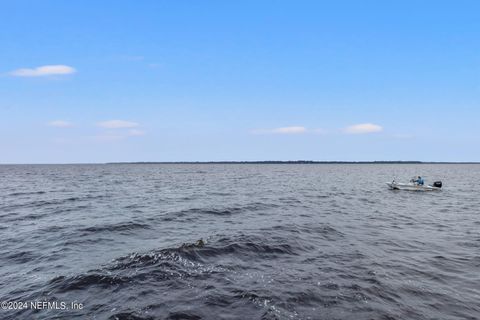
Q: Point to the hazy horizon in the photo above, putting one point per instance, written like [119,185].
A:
[252,162]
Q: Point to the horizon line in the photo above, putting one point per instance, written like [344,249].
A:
[257,162]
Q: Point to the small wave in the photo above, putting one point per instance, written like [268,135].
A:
[324,231]
[81,282]
[15,194]
[194,213]
[22,256]
[131,316]
[217,212]
[125,226]
[290,200]
[189,260]
[84,240]
[228,210]
[135,206]
[183,316]
[200,252]
[52,202]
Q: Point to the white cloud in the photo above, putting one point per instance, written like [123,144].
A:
[282,130]
[117,130]
[43,71]
[363,128]
[136,132]
[289,130]
[117,124]
[60,124]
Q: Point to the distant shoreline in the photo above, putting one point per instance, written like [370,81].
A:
[293,162]
[247,162]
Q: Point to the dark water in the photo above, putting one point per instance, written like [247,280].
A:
[280,242]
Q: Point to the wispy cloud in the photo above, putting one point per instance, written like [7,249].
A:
[60,124]
[43,71]
[117,124]
[363,128]
[118,130]
[282,130]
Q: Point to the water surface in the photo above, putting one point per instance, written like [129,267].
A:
[312,241]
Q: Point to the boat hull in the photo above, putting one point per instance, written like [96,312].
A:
[410,187]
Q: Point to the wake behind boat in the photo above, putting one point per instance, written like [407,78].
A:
[415,184]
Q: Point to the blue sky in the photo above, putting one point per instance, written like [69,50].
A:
[99,81]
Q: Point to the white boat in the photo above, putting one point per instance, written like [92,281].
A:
[437,185]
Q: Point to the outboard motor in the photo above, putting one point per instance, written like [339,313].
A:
[437,184]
